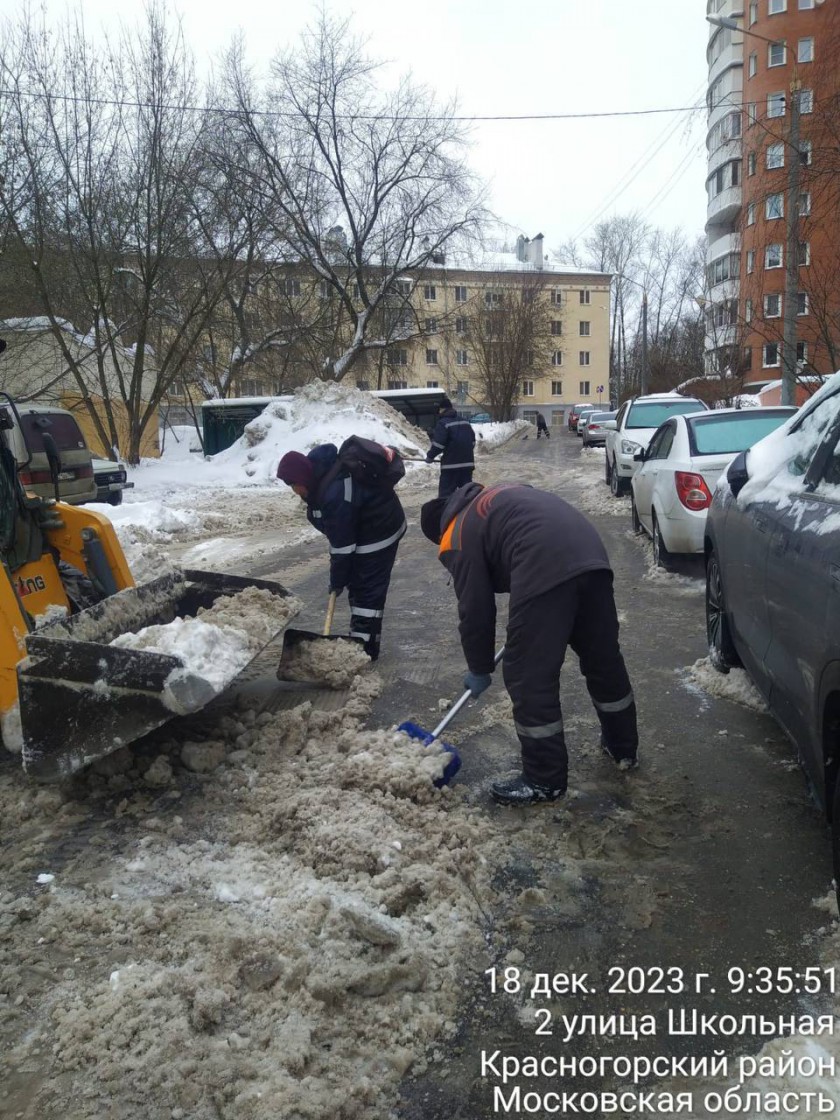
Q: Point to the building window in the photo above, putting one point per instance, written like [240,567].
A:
[429,291]
[753,64]
[529,358]
[806,5]
[773,255]
[556,326]
[527,388]
[805,50]
[806,151]
[432,384]
[750,260]
[752,112]
[492,299]
[775,104]
[431,358]
[770,352]
[806,101]
[460,325]
[324,289]
[460,293]
[775,156]
[292,287]
[397,384]
[584,359]
[751,163]
[402,287]
[585,296]
[585,327]
[461,358]
[746,359]
[397,357]
[747,310]
[802,351]
[431,326]
[363,385]
[805,204]
[801,303]
[751,214]
[753,12]
[774,206]
[556,298]
[776,54]
[584,388]
[772,305]
[557,388]
[776,7]
[462,388]
[557,358]
[804,252]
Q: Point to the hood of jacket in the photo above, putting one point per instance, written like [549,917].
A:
[322,457]
[458,501]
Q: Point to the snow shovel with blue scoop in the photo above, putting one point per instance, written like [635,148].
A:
[426,737]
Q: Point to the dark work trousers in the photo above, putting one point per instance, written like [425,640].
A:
[367,591]
[450,480]
[579,613]
[542,432]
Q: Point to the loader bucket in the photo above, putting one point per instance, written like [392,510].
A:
[81,698]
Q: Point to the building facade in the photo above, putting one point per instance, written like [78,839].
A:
[782,48]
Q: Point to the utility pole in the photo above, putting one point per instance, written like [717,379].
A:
[643,386]
[791,250]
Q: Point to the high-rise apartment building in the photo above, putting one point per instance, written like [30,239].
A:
[781,47]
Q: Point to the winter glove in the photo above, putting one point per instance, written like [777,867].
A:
[336,590]
[477,683]
[430,458]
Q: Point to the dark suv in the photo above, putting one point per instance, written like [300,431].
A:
[772,549]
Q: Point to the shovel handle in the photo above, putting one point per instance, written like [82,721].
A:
[328,620]
[458,705]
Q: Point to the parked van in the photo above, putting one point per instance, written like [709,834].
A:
[76,483]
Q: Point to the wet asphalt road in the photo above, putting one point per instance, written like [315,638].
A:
[705,859]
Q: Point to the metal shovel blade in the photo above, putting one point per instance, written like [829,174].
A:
[289,655]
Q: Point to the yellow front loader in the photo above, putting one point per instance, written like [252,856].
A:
[68,697]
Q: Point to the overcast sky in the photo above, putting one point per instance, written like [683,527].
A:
[518,58]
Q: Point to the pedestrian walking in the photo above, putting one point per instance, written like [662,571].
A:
[542,427]
[363,524]
[512,538]
[453,439]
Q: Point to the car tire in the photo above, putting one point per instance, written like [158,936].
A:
[661,556]
[115,499]
[722,653]
[634,518]
[607,470]
[617,483]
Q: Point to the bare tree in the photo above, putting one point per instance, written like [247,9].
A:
[369,187]
[510,332]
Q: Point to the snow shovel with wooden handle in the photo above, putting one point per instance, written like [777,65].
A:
[292,639]
[416,732]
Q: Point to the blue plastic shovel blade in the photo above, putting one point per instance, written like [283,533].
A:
[452,766]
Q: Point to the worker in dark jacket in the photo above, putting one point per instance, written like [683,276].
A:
[549,558]
[542,427]
[364,526]
[455,438]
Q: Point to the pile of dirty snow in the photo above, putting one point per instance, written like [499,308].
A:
[331,663]
[490,436]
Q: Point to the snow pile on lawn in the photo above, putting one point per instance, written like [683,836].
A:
[490,436]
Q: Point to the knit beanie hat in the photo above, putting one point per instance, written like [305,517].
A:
[430,515]
[296,470]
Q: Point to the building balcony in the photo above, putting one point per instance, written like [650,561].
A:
[729,57]
[724,153]
[724,207]
[725,290]
[721,246]
[721,337]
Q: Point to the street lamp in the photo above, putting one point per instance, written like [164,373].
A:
[645,375]
[794,163]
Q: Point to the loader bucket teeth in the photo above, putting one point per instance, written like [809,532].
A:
[82,698]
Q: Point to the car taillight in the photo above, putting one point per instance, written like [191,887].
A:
[84,472]
[593,427]
[692,490]
[33,478]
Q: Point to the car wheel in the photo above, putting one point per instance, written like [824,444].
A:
[634,517]
[607,470]
[661,555]
[718,636]
[616,482]
[115,499]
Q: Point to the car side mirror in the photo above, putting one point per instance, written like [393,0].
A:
[738,475]
[640,457]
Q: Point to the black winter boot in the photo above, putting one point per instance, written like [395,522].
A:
[520,791]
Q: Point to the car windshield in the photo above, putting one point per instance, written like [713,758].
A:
[733,432]
[64,430]
[653,413]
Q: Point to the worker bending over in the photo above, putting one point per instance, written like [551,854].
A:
[363,524]
[453,439]
[549,558]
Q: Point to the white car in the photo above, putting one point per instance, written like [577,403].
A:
[673,487]
[635,423]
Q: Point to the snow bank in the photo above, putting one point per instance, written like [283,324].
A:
[490,436]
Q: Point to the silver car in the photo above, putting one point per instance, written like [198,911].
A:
[597,426]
